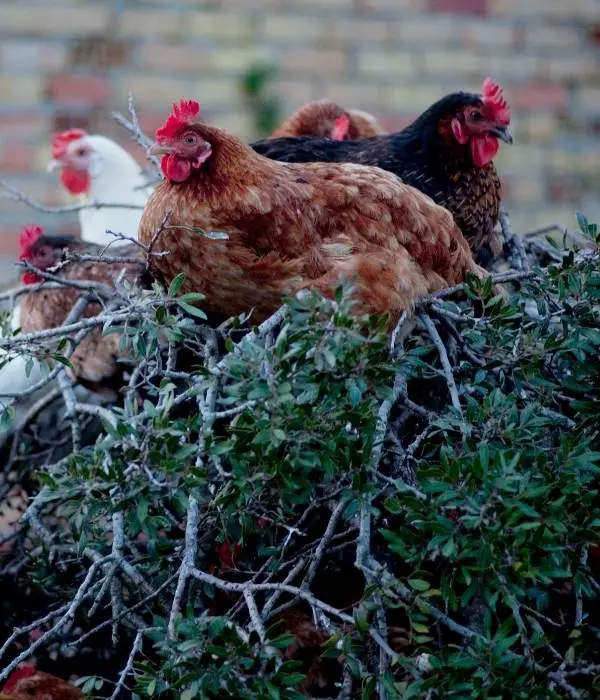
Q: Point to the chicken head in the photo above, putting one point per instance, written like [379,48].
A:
[482,125]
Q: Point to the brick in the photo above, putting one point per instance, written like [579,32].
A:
[392,6]
[164,58]
[416,98]
[314,62]
[16,157]
[463,7]
[54,20]
[20,90]
[22,125]
[430,30]
[238,60]
[532,96]
[293,28]
[358,29]
[451,63]
[152,23]
[218,25]
[477,34]
[28,56]
[589,100]
[553,38]
[536,127]
[511,67]
[156,91]
[569,68]
[385,63]
[85,89]
[293,91]
[355,95]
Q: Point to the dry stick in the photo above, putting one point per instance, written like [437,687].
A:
[437,341]
[327,535]
[133,126]
[137,645]
[257,623]
[520,260]
[187,564]
[19,196]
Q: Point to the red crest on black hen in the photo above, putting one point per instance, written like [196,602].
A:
[291,226]
[446,153]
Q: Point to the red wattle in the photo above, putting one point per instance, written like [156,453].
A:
[175,169]
[483,149]
[76,181]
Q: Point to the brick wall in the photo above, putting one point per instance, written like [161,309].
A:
[391,57]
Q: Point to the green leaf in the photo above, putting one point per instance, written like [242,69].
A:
[418,584]
[176,284]
[191,310]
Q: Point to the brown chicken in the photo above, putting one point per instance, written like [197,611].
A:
[29,684]
[446,153]
[326,119]
[291,226]
[95,358]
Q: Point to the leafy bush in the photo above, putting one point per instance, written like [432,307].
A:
[323,510]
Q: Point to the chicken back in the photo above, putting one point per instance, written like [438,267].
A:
[291,226]
[95,358]
[446,153]
[41,686]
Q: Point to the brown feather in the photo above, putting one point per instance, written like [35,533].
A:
[95,358]
[292,226]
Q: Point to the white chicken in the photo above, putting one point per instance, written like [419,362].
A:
[95,169]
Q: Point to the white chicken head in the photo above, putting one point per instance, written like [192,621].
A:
[83,159]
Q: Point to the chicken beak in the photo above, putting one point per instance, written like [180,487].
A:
[159,149]
[52,166]
[502,133]
[5,697]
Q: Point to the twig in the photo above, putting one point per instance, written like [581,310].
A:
[437,341]
[18,196]
[135,649]
[187,564]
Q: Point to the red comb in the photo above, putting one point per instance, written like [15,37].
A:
[341,128]
[61,140]
[181,115]
[493,96]
[29,236]
[22,671]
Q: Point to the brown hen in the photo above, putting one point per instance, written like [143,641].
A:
[38,685]
[95,358]
[326,119]
[292,226]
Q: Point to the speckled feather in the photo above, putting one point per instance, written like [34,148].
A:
[424,156]
[292,226]
[95,358]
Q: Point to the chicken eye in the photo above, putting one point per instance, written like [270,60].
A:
[476,116]
[81,152]
[190,139]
